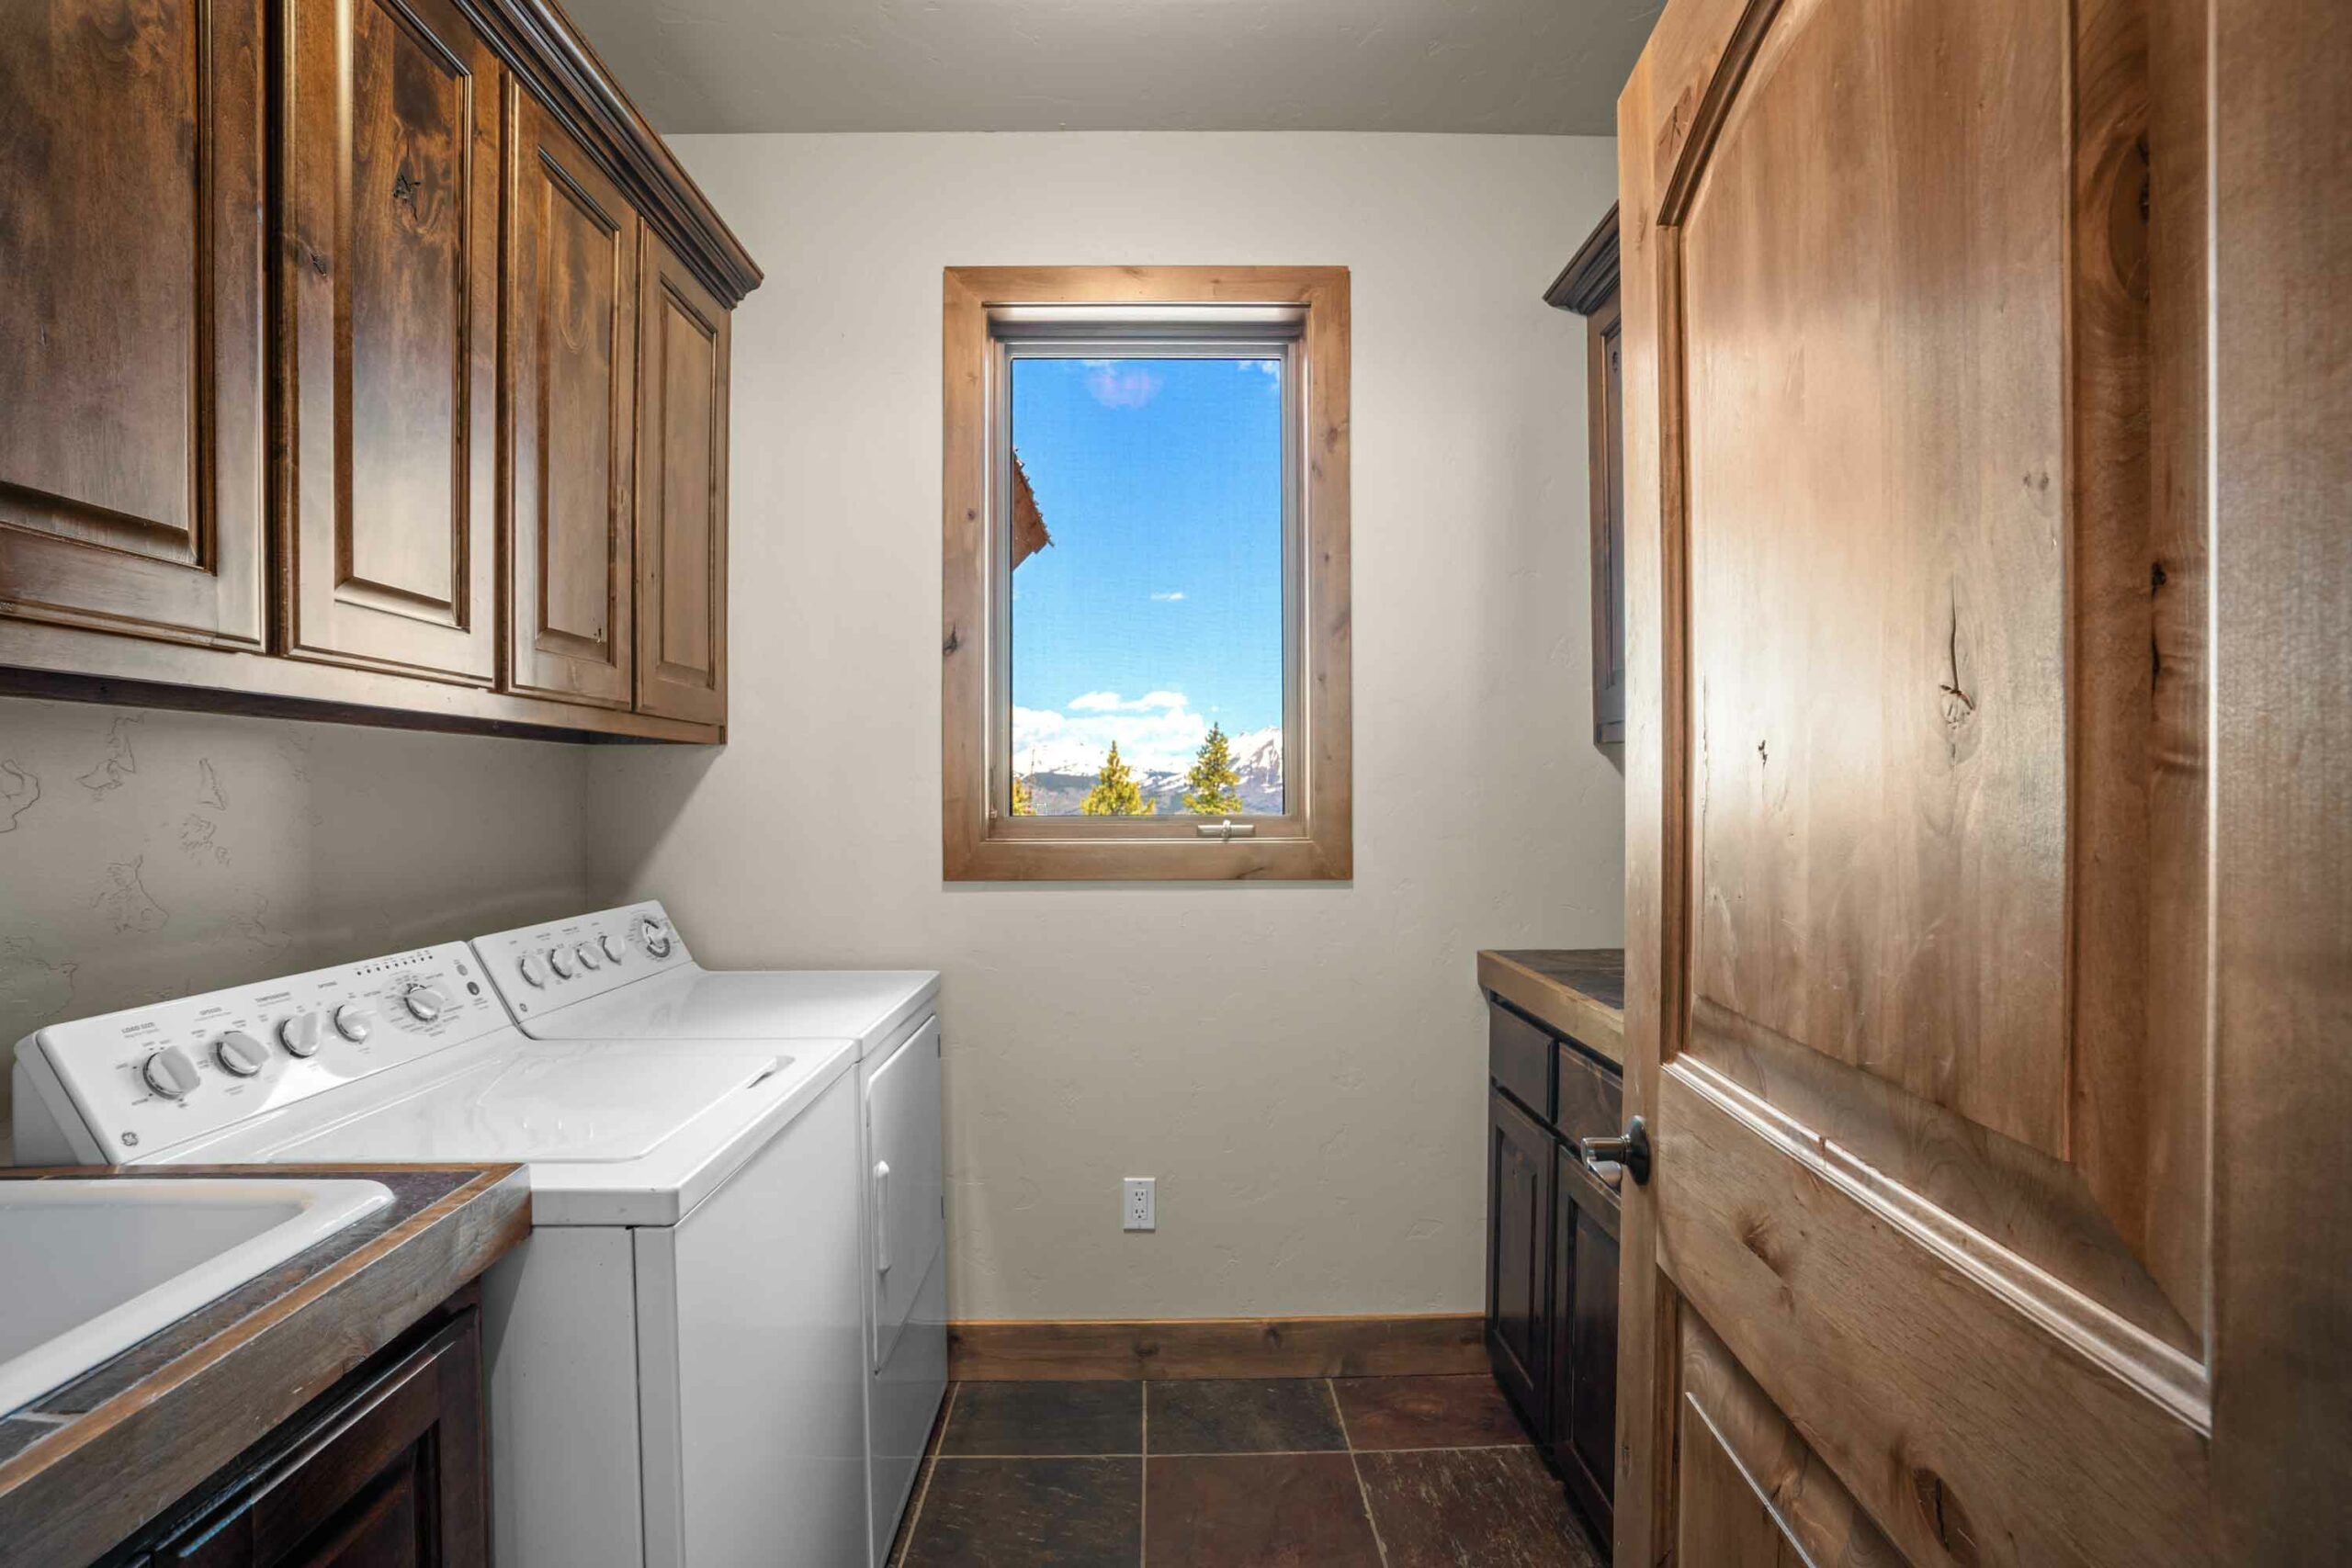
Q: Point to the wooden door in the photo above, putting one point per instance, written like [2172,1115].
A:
[1519,1221]
[1983,1040]
[390,342]
[681,492]
[131,353]
[572,278]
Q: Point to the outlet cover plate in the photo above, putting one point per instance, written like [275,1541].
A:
[1139,1203]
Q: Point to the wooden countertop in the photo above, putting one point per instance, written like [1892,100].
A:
[1577,991]
[87,1465]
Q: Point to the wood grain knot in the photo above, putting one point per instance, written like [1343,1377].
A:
[1940,1507]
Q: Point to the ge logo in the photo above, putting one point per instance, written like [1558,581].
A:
[130,1140]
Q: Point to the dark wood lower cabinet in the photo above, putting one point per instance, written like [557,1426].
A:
[388,1471]
[1552,1255]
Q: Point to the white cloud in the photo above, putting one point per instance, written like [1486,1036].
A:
[1115,386]
[1111,702]
[1172,597]
[1156,733]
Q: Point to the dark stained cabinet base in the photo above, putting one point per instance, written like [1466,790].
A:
[1552,1251]
[389,1469]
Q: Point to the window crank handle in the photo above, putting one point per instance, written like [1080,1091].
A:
[1609,1158]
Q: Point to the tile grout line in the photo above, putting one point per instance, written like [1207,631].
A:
[930,1468]
[1363,1491]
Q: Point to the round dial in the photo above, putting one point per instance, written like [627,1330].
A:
[588,957]
[299,1034]
[533,973]
[239,1053]
[170,1073]
[423,1003]
[657,937]
[559,960]
[614,948]
[353,1021]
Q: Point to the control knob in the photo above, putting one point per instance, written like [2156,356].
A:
[533,973]
[588,958]
[299,1034]
[353,1021]
[170,1073]
[614,948]
[423,1003]
[657,937]
[559,960]
[239,1053]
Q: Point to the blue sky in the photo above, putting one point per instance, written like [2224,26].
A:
[1159,606]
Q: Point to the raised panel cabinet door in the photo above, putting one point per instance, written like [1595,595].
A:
[1518,1234]
[681,492]
[133,469]
[571,280]
[1584,1336]
[390,337]
[1931,977]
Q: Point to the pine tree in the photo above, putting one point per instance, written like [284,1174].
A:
[1023,803]
[1115,792]
[1213,787]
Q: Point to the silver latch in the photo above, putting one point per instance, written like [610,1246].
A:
[1226,832]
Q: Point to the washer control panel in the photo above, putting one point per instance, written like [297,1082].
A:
[147,1079]
[540,968]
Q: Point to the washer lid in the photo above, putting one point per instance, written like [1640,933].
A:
[870,1006]
[614,1133]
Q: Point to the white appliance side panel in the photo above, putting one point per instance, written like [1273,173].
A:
[902,1402]
[906,1181]
[752,1365]
[559,1319]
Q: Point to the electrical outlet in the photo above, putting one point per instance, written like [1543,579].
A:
[1141,1210]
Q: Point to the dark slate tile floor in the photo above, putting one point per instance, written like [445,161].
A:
[1309,1473]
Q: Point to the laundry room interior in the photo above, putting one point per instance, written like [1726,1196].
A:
[1213,781]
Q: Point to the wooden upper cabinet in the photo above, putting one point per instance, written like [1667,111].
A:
[680,493]
[391,345]
[131,320]
[1588,285]
[572,278]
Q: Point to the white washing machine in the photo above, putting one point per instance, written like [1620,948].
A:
[625,973]
[676,1352]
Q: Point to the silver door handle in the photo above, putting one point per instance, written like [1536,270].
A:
[882,1216]
[1609,1158]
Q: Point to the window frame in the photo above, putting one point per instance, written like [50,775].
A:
[987,312]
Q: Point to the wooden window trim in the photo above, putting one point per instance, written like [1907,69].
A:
[1312,845]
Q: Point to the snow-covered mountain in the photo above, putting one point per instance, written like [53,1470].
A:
[1060,774]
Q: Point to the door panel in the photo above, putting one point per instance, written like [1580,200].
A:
[131,487]
[680,493]
[1919,846]
[571,320]
[1519,1212]
[907,1181]
[391,336]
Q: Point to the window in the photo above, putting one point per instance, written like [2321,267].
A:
[1147,623]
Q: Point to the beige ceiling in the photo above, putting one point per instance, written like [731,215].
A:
[1528,66]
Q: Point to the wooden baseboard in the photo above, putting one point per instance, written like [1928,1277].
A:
[1113,1349]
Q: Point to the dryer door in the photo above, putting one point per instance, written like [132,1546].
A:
[906,1181]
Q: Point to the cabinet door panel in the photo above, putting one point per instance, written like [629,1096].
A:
[390,350]
[1518,1219]
[131,409]
[680,493]
[571,317]
[1583,1336]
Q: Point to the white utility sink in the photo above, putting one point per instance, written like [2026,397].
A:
[90,1268]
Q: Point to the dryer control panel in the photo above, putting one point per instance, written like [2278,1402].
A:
[144,1079]
[540,968]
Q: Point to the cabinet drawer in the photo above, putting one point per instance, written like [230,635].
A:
[1519,1058]
[1590,1100]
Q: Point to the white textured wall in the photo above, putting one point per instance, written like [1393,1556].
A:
[148,855]
[1301,1067]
